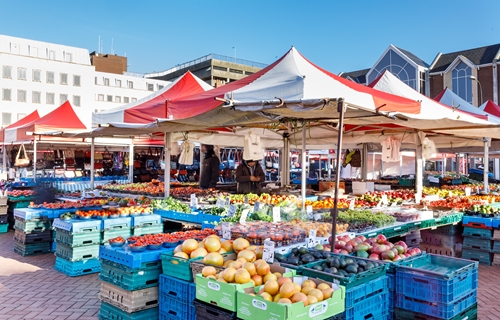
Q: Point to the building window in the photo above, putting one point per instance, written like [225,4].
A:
[36,75]
[21,95]
[118,99]
[398,66]
[95,80]
[118,83]
[76,101]
[63,98]
[52,55]
[7,94]
[20,116]
[100,97]
[64,78]
[36,97]
[134,99]
[422,82]
[126,99]
[236,71]
[460,81]
[220,68]
[33,51]
[76,81]
[130,84]
[6,118]
[106,82]
[50,77]
[151,87]
[109,98]
[248,73]
[69,57]
[50,98]
[21,73]
[7,72]
[160,87]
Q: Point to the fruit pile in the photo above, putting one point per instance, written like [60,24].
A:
[361,220]
[170,204]
[264,198]
[301,256]
[282,233]
[444,192]
[210,249]
[174,237]
[145,188]
[460,204]
[20,193]
[323,229]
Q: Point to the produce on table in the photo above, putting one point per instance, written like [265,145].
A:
[301,256]
[282,233]
[263,214]
[459,204]
[323,229]
[443,192]
[170,204]
[210,249]
[20,193]
[167,239]
[264,198]
[216,211]
[484,210]
[361,220]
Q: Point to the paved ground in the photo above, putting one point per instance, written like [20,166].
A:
[30,288]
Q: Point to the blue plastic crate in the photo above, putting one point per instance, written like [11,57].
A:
[28,214]
[477,244]
[495,223]
[146,266]
[177,288]
[130,259]
[117,223]
[164,213]
[153,229]
[146,220]
[174,307]
[109,312]
[188,217]
[477,221]
[439,310]
[363,291]
[496,246]
[136,280]
[391,282]
[210,218]
[77,226]
[425,286]
[54,245]
[480,256]
[78,268]
[441,267]
[205,225]
[373,308]
[478,233]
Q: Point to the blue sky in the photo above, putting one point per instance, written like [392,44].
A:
[338,35]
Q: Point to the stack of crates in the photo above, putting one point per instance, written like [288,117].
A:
[436,287]
[147,224]
[446,240]
[478,240]
[119,227]
[77,246]
[4,217]
[496,241]
[176,299]
[130,283]
[33,234]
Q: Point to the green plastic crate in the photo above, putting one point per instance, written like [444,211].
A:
[478,233]
[177,267]
[140,279]
[449,219]
[396,231]
[78,239]
[402,314]
[19,204]
[32,249]
[478,244]
[32,226]
[4,228]
[77,253]
[482,257]
[109,312]
[139,231]
[110,234]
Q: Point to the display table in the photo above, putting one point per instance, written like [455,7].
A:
[81,185]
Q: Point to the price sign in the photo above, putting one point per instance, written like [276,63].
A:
[276,214]
[394,204]
[450,194]
[193,203]
[268,252]
[220,202]
[232,210]
[226,230]
[246,200]
[311,239]
[379,204]
[228,201]
[244,214]
[351,204]
[468,191]
[309,211]
[256,206]
[384,199]
[477,189]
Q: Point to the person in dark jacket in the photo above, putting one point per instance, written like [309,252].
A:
[249,176]
[209,168]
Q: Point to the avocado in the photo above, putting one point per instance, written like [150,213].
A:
[317,255]
[360,269]
[351,268]
[295,251]
[279,257]
[368,266]
[349,260]
[303,250]
[361,263]
[342,263]
[362,254]
[335,263]
[318,267]
[326,255]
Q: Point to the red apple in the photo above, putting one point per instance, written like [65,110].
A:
[348,247]
[374,256]
[339,244]
[381,238]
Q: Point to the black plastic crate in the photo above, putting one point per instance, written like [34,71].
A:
[4,218]
[205,311]
[34,237]
[32,249]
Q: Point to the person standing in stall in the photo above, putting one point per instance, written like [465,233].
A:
[210,167]
[249,175]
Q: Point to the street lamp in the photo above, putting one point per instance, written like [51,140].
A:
[480,89]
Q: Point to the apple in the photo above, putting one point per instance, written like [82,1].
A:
[344,252]
[339,244]
[348,247]
[381,239]
[374,256]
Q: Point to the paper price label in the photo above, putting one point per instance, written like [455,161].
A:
[311,239]
[226,230]
[244,214]
[268,252]
[220,202]
[468,191]
[384,199]
[477,190]
[232,210]
[276,214]
[394,204]
[379,204]
[193,203]
[309,211]
[228,201]
[246,200]
[256,206]
[351,204]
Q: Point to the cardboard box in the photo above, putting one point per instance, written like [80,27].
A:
[360,188]
[255,307]
[326,185]
[223,294]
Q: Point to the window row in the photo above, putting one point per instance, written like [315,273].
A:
[36,97]
[37,76]
[117,99]
[130,84]
[7,118]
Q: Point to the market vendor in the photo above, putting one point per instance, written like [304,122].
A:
[249,175]
[210,167]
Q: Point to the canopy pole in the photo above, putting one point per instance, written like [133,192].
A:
[457,165]
[304,176]
[131,162]
[166,175]
[34,159]
[4,158]
[443,164]
[329,165]
[373,167]
[335,211]
[364,163]
[92,157]
[285,178]
[419,161]
[486,164]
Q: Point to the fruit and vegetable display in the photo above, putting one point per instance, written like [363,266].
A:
[301,256]
[377,248]
[361,220]
[70,204]
[263,214]
[443,192]
[210,249]
[142,200]
[68,194]
[170,204]
[486,211]
[459,204]
[323,229]
[283,233]
[216,211]
[20,193]
[145,188]
[264,198]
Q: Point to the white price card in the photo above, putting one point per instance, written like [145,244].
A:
[232,210]
[477,189]
[246,199]
[384,199]
[450,194]
[244,214]
[256,206]
[193,203]
[220,202]
[311,239]
[394,204]
[268,252]
[228,202]
[276,214]
[468,191]
[352,203]
[379,204]
[309,211]
[226,231]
